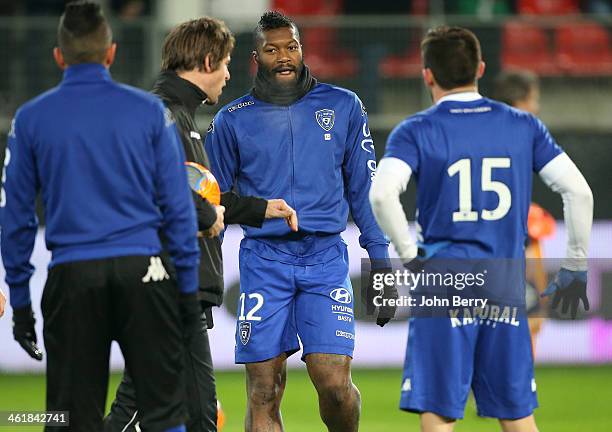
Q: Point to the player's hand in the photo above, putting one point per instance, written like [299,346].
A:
[218,226]
[569,287]
[385,312]
[278,208]
[191,315]
[24,333]
[424,252]
[2,302]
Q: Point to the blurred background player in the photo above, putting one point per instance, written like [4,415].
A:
[195,69]
[308,142]
[110,169]
[521,89]
[463,137]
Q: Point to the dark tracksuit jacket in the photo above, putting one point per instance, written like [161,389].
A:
[182,98]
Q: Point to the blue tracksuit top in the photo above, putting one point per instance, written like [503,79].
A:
[317,154]
[109,166]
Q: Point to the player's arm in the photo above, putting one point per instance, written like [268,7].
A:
[175,203]
[222,149]
[560,173]
[359,167]
[401,160]
[19,225]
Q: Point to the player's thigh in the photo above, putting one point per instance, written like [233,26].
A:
[265,325]
[77,319]
[324,306]
[526,424]
[438,367]
[329,370]
[149,333]
[504,383]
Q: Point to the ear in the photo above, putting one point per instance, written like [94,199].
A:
[428,77]
[254,55]
[207,64]
[59,58]
[481,70]
[111,52]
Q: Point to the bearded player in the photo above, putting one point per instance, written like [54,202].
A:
[308,143]
[473,159]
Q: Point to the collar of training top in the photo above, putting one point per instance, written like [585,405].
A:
[170,85]
[86,72]
[467,96]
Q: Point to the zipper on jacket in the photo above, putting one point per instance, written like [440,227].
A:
[292,155]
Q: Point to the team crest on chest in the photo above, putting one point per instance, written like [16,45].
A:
[245,332]
[325,118]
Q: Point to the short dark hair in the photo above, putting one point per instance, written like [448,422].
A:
[83,35]
[514,86]
[452,54]
[273,20]
[188,44]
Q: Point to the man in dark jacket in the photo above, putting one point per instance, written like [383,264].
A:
[195,59]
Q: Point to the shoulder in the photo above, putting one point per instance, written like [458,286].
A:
[336,92]
[138,97]
[238,106]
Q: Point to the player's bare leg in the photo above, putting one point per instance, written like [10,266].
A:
[339,399]
[265,386]
[431,422]
[526,424]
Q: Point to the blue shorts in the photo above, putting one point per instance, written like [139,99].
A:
[443,362]
[284,296]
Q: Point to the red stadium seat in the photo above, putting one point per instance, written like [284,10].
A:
[583,49]
[322,52]
[526,46]
[407,65]
[548,7]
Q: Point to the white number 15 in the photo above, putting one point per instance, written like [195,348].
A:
[464,168]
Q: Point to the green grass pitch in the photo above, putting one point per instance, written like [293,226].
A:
[571,399]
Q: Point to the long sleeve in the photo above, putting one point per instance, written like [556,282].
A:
[176,204]
[242,210]
[358,169]
[18,212]
[392,177]
[563,177]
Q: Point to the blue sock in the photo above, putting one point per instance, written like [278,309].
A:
[180,428]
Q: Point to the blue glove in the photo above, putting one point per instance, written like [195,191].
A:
[424,253]
[569,286]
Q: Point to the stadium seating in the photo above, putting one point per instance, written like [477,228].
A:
[407,65]
[548,7]
[322,52]
[526,46]
[583,49]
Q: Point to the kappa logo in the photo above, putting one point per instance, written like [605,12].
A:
[156,271]
[245,332]
[240,105]
[341,295]
[325,118]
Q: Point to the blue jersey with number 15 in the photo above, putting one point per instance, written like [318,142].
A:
[473,162]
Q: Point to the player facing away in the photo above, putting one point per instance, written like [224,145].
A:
[473,159]
[308,143]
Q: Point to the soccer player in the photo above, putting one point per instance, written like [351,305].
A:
[309,143]
[473,159]
[521,89]
[109,167]
[195,68]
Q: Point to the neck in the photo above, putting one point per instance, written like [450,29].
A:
[438,93]
[194,78]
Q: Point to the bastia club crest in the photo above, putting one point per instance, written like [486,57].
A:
[325,118]
[245,332]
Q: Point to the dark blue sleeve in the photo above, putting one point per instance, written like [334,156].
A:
[403,146]
[18,220]
[222,151]
[545,148]
[175,201]
[359,168]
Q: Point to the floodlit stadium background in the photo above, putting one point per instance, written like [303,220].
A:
[373,50]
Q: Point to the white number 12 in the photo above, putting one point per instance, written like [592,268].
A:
[463,167]
[250,316]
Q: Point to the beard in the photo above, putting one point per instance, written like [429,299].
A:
[270,75]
